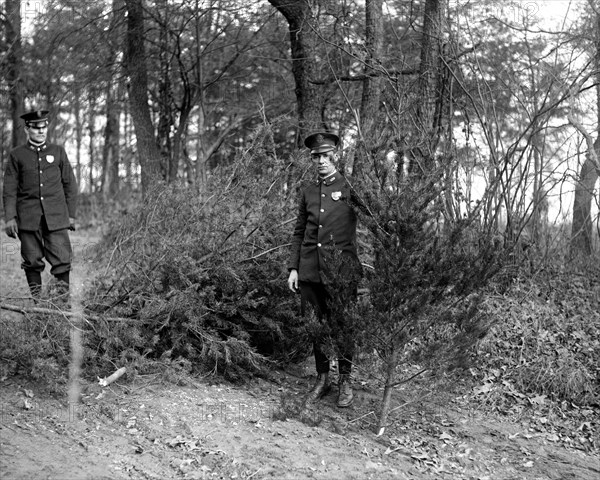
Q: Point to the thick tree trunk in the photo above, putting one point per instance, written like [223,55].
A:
[14,61]
[582,225]
[303,42]
[135,62]
[425,138]
[371,93]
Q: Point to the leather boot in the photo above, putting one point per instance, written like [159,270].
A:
[62,288]
[345,395]
[319,389]
[63,278]
[34,280]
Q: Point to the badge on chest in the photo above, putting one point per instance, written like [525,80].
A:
[50,158]
[336,196]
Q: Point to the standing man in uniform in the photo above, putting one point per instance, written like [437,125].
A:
[324,264]
[40,194]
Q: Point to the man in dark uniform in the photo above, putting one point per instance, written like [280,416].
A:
[324,264]
[40,194]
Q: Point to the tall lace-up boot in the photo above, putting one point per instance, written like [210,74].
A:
[345,395]
[319,389]
[34,280]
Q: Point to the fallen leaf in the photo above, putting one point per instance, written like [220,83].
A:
[538,400]
[485,388]
[584,426]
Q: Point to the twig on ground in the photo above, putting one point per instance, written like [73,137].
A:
[250,476]
[66,313]
[372,412]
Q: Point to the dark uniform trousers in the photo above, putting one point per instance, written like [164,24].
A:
[316,295]
[55,246]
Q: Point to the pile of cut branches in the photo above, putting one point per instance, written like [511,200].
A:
[199,278]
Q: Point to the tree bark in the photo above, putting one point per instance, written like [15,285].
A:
[78,135]
[135,63]
[390,381]
[14,60]
[303,40]
[110,149]
[165,116]
[372,84]
[582,225]
[92,135]
[112,131]
[425,138]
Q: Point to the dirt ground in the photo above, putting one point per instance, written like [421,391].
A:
[153,427]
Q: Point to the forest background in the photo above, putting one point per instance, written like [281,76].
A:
[469,129]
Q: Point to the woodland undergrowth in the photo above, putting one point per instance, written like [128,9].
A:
[545,339]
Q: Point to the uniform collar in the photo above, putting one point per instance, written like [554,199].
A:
[37,148]
[329,180]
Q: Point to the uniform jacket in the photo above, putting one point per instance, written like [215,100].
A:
[39,181]
[326,223]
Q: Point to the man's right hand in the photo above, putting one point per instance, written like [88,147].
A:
[293,281]
[11,228]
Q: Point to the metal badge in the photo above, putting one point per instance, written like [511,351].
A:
[336,196]
[49,158]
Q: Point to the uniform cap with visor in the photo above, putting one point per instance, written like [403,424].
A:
[321,142]
[36,118]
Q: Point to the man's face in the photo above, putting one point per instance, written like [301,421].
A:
[37,133]
[326,162]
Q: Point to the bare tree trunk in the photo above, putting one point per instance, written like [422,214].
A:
[14,60]
[303,51]
[165,116]
[135,62]
[110,150]
[112,131]
[78,136]
[92,135]
[390,381]
[372,83]
[425,138]
[582,225]
[178,139]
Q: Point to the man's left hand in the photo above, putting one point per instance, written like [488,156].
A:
[71,224]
